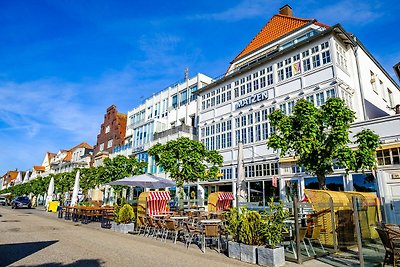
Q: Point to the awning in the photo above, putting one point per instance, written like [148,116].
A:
[225,196]
[158,195]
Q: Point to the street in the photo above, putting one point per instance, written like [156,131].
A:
[32,237]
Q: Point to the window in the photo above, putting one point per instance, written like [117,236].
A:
[390,95]
[236,92]
[341,56]
[330,93]
[269,69]
[388,156]
[316,61]
[248,87]
[326,57]
[250,134]
[288,61]
[306,64]
[108,129]
[382,87]
[244,136]
[262,82]
[305,53]
[175,101]
[183,97]
[281,75]
[255,83]
[258,116]
[109,143]
[258,132]
[283,108]
[296,57]
[242,89]
[270,79]
[320,99]
[314,50]
[244,120]
[280,64]
[373,82]
[288,71]
[324,45]
[250,119]
[101,146]
[265,130]
[193,96]
[290,107]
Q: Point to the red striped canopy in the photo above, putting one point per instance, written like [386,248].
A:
[157,202]
[225,196]
[159,195]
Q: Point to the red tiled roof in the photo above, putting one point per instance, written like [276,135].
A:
[278,26]
[39,168]
[83,144]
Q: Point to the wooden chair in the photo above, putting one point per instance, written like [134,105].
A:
[191,233]
[211,231]
[106,217]
[171,227]
[392,249]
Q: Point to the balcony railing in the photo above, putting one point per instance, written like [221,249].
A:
[177,129]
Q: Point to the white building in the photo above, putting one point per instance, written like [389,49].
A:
[289,59]
[166,115]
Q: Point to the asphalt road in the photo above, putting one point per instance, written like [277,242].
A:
[37,238]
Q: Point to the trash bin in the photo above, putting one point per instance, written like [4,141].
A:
[52,207]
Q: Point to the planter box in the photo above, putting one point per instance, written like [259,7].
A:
[271,257]
[248,253]
[234,250]
[122,228]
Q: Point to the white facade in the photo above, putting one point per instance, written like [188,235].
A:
[166,115]
[313,63]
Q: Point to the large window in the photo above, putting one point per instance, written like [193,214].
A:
[388,156]
[174,101]
[364,182]
[334,183]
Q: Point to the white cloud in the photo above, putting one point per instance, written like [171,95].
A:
[244,10]
[348,12]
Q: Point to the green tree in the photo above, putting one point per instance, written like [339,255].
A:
[118,168]
[187,160]
[319,138]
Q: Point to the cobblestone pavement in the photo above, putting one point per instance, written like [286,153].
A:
[32,237]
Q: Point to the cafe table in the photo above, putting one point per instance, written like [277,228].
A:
[211,221]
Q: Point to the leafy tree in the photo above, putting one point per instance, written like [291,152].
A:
[319,138]
[186,160]
[118,168]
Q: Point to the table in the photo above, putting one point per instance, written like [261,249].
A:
[179,217]
[211,221]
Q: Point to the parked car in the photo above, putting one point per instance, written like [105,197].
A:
[3,201]
[21,202]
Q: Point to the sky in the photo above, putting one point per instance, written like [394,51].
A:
[63,62]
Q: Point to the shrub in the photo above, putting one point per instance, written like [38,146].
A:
[124,214]
[250,230]
[233,220]
[273,226]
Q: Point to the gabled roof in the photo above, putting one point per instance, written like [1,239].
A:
[83,144]
[278,26]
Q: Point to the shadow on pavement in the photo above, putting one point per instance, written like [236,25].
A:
[10,253]
[78,263]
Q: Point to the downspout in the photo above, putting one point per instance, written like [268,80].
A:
[355,48]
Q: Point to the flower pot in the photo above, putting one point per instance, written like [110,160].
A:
[248,253]
[234,250]
[271,257]
[122,228]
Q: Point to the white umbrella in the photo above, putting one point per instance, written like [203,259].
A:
[50,191]
[146,180]
[75,192]
[26,177]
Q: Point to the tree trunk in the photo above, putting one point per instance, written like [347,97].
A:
[321,181]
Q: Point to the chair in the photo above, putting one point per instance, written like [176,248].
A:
[315,235]
[392,249]
[191,232]
[211,231]
[172,228]
[151,226]
[107,216]
[160,229]
[143,225]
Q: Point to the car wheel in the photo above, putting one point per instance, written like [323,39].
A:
[12,206]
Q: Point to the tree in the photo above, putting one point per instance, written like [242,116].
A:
[319,138]
[186,160]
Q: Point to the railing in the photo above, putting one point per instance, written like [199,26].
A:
[175,130]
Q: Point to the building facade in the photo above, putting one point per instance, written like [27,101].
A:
[289,59]
[167,115]
[112,134]
[67,160]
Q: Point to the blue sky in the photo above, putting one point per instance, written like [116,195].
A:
[62,63]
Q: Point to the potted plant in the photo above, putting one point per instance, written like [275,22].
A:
[233,220]
[123,219]
[272,229]
[250,235]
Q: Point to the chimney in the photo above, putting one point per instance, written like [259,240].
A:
[286,10]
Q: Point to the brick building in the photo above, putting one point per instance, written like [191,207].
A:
[112,134]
